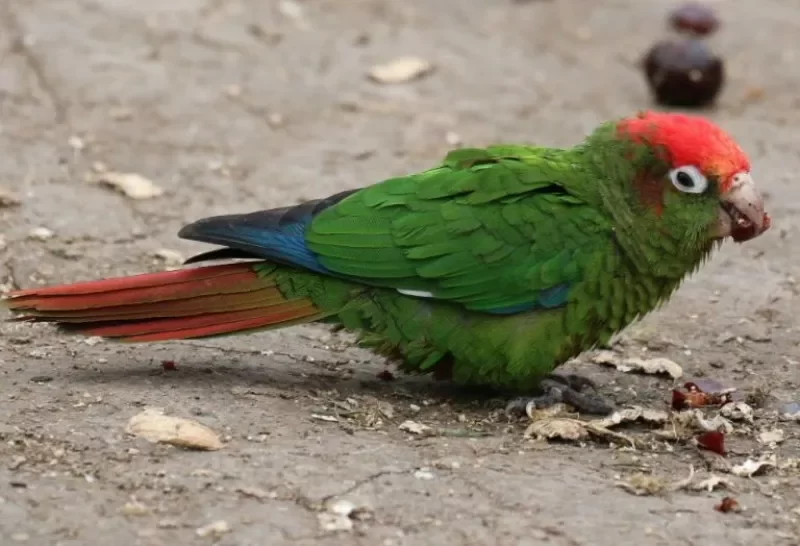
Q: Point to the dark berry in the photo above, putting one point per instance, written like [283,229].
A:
[683,73]
[695,18]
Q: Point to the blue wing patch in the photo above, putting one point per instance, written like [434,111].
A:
[553,297]
[275,234]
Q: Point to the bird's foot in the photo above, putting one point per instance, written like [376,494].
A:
[567,389]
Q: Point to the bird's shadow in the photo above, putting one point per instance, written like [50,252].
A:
[204,374]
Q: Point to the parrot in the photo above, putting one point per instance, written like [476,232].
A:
[490,269]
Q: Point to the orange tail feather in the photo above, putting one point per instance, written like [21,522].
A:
[182,304]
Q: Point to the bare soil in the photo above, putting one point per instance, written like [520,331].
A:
[239,105]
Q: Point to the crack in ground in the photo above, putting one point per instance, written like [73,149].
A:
[318,505]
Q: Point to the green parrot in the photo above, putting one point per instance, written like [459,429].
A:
[490,269]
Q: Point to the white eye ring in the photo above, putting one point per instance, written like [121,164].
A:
[688,179]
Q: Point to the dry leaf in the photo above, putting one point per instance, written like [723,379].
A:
[549,412]
[154,426]
[131,185]
[737,411]
[697,420]
[401,70]
[752,467]
[415,428]
[607,358]
[327,418]
[643,484]
[638,365]
[632,414]
[717,423]
[563,429]
[684,425]
[711,483]
[254,492]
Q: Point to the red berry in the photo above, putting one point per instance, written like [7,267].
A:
[696,18]
[683,73]
[169,365]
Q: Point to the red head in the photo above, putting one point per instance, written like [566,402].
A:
[701,156]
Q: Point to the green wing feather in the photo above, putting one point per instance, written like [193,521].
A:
[489,229]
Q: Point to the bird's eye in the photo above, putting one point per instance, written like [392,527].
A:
[688,179]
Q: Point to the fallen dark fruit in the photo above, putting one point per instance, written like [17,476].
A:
[694,17]
[683,73]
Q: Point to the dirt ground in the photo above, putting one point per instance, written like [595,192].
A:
[236,105]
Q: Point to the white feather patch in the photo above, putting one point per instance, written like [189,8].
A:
[416,293]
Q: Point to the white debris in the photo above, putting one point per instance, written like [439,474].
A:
[639,365]
[214,529]
[41,234]
[413,427]
[737,411]
[8,199]
[559,428]
[131,185]
[632,414]
[751,467]
[154,426]
[326,418]
[771,437]
[169,257]
[401,70]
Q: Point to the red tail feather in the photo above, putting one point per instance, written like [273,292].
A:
[188,303]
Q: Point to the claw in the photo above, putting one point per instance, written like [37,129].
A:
[565,389]
[573,381]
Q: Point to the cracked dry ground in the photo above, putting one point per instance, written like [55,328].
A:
[236,105]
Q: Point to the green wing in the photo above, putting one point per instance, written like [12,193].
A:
[495,230]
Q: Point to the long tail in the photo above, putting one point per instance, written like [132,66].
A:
[182,304]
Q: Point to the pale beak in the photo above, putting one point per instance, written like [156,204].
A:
[741,212]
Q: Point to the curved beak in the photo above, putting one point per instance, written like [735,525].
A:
[741,213]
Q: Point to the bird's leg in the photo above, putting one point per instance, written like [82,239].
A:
[567,389]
